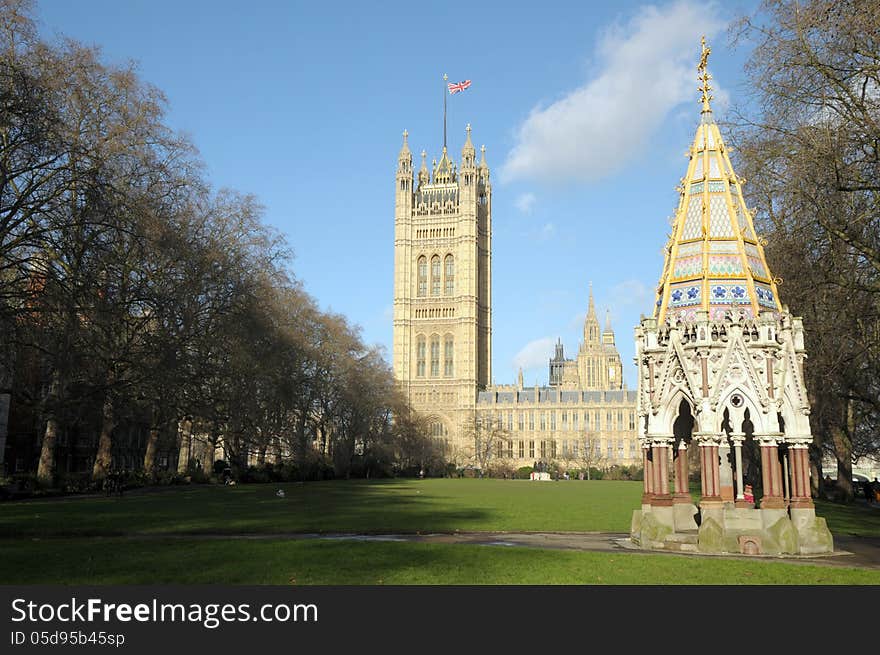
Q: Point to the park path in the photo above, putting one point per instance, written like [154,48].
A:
[849,551]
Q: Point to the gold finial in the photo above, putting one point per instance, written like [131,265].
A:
[704,77]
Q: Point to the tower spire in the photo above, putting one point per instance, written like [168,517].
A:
[591,310]
[714,260]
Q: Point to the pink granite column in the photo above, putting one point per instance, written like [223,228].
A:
[648,475]
[770,475]
[709,473]
[682,493]
[800,477]
[660,453]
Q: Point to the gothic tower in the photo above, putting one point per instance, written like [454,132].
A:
[442,284]
[598,361]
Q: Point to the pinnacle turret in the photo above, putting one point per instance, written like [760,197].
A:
[468,153]
[424,176]
[404,149]
[468,148]
[444,170]
[404,159]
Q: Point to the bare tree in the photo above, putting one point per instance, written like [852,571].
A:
[811,151]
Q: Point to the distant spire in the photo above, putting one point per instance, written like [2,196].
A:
[591,311]
[404,150]
[467,151]
[483,157]
[608,320]
[423,171]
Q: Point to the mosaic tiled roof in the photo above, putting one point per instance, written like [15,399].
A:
[714,260]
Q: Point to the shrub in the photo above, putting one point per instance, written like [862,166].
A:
[500,470]
[524,472]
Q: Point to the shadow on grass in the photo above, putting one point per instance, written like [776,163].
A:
[338,506]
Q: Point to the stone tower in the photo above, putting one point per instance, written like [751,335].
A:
[598,361]
[442,284]
[721,372]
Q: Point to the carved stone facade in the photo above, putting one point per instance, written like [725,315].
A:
[585,418]
[442,343]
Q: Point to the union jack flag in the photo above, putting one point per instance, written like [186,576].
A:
[455,87]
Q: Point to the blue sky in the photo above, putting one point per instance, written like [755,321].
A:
[585,109]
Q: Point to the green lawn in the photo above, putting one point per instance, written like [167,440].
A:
[340,506]
[336,562]
[80,541]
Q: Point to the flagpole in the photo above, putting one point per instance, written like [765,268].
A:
[445,77]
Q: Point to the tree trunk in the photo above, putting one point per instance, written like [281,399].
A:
[184,427]
[816,480]
[840,435]
[152,443]
[46,468]
[104,456]
[150,454]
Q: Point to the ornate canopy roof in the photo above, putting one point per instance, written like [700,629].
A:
[714,260]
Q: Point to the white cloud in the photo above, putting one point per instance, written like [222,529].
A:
[535,353]
[629,292]
[548,231]
[646,68]
[525,202]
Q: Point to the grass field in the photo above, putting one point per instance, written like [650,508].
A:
[162,537]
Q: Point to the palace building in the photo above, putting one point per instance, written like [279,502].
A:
[442,342]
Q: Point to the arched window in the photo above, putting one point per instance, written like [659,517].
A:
[423,276]
[420,357]
[435,275]
[450,274]
[447,366]
[435,356]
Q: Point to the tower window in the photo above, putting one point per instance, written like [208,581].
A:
[450,275]
[420,357]
[447,366]
[435,357]
[423,276]
[435,275]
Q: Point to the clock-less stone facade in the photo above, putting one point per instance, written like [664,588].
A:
[442,343]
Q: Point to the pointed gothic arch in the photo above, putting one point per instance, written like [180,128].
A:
[736,400]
